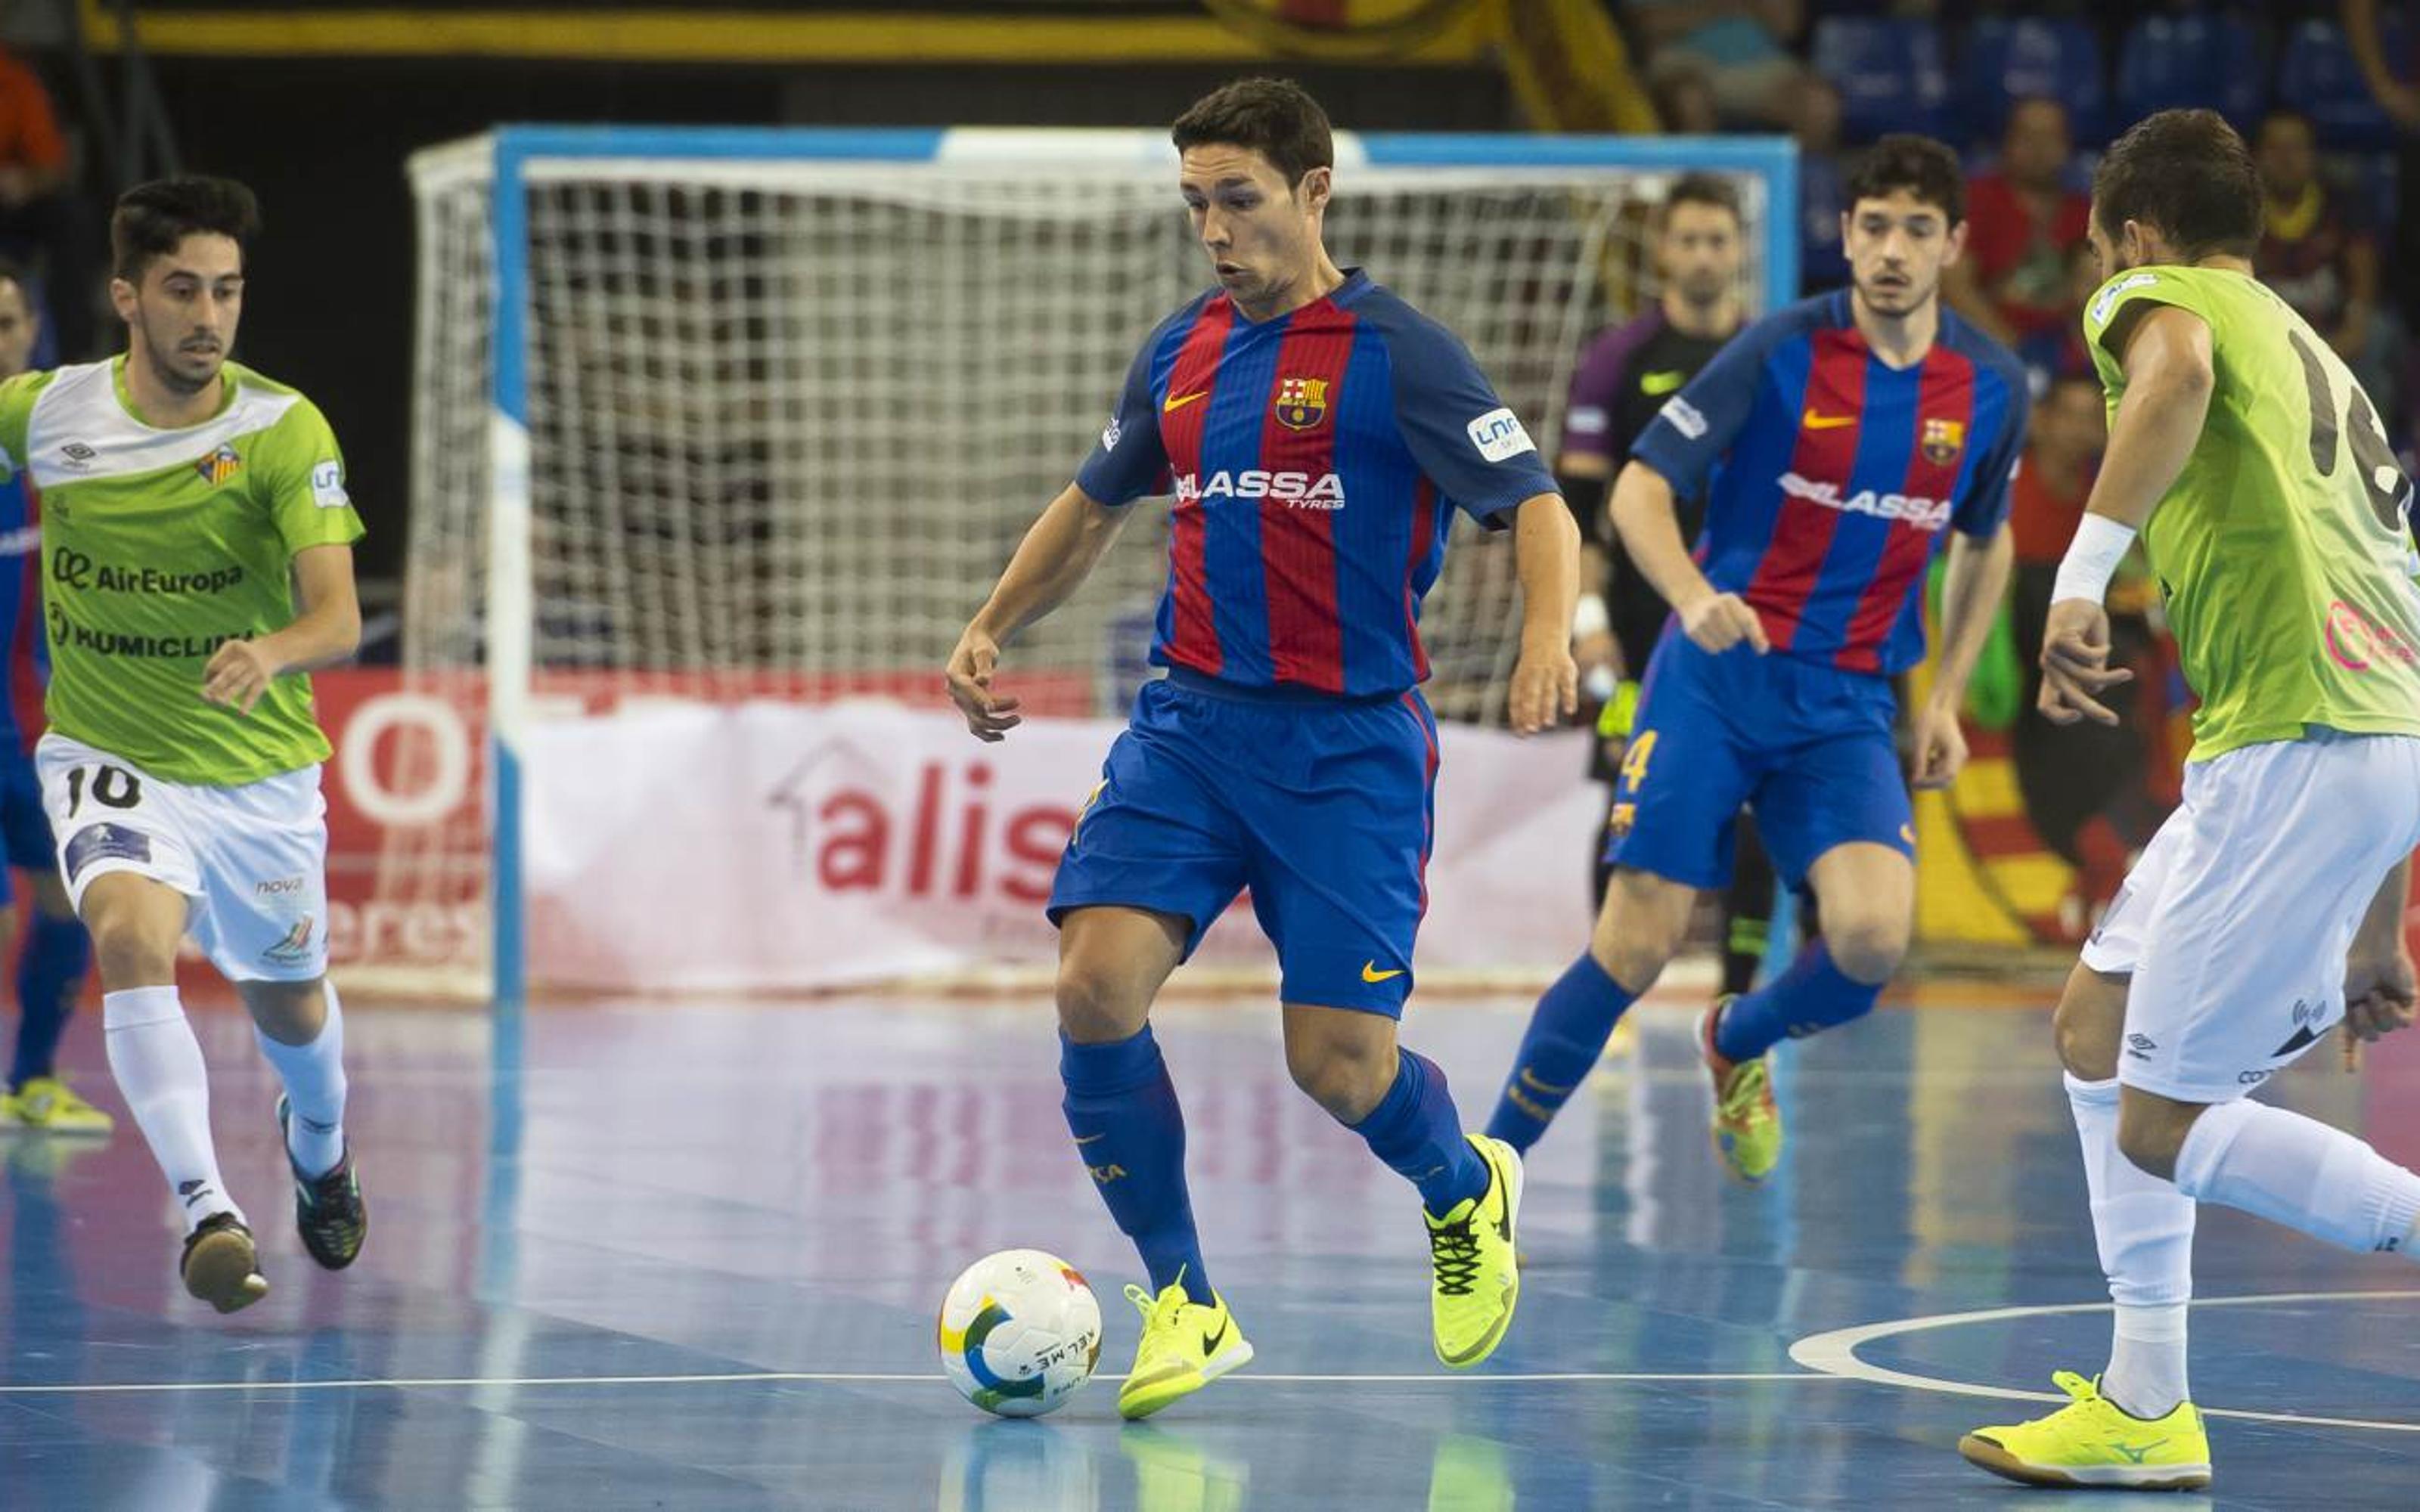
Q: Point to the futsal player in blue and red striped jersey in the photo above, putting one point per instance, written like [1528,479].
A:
[57,953]
[1319,436]
[1841,444]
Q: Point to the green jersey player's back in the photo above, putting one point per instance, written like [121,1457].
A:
[2283,553]
[158,547]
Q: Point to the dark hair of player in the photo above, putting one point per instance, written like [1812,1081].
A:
[2187,173]
[1275,118]
[152,220]
[1917,165]
[1703,189]
[11,272]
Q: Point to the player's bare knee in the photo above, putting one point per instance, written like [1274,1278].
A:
[2151,1129]
[1349,1078]
[1866,945]
[289,1012]
[1640,929]
[2090,1017]
[131,950]
[1098,1003]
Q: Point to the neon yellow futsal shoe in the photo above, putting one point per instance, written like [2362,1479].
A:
[50,1103]
[1747,1127]
[1475,1271]
[1185,1346]
[2089,1442]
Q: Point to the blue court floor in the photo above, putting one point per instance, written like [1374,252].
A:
[687,1255]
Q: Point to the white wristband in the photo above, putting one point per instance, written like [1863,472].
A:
[2099,546]
[1591,618]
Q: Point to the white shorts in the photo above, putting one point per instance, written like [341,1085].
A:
[2234,922]
[253,859]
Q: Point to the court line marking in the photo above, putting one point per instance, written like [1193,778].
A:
[1835,1353]
[856,1378]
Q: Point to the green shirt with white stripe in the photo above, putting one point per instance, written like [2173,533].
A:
[161,546]
[2284,551]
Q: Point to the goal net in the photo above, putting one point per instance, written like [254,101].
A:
[723,415]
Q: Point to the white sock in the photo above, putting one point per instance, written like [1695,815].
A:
[2299,1172]
[2143,1228]
[158,1064]
[314,1078]
[2147,1361]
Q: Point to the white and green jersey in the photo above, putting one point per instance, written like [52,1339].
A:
[2284,551]
[159,546]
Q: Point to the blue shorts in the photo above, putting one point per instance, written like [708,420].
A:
[1324,810]
[24,828]
[1810,748]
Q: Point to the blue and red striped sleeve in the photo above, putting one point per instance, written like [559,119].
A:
[1130,459]
[1690,436]
[1464,439]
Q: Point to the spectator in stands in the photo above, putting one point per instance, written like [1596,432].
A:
[2087,790]
[1822,262]
[1742,46]
[37,216]
[2022,219]
[2316,250]
[1684,100]
[2395,84]
[2056,350]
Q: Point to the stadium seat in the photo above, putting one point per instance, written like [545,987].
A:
[2012,59]
[2172,61]
[1890,73]
[2320,78]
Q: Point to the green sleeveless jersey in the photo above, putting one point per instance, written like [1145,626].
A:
[159,546]
[2284,552]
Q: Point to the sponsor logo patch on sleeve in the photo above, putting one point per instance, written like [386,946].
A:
[328,486]
[2104,306]
[1498,436]
[1686,418]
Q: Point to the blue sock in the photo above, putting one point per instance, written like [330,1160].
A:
[49,974]
[1416,1130]
[1121,1108]
[1812,997]
[1566,1035]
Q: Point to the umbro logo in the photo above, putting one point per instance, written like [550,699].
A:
[193,1192]
[77,455]
[2141,1045]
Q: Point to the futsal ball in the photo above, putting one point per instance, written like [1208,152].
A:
[1020,1330]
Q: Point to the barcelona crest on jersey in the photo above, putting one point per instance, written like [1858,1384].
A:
[219,466]
[1941,439]
[1302,403]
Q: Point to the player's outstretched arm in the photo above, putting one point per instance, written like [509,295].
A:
[327,631]
[1650,525]
[1546,551]
[2379,982]
[2169,376]
[1971,587]
[1058,553]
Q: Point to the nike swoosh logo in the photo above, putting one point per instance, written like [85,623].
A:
[1655,383]
[1815,422]
[1178,401]
[1371,973]
[1086,1139]
[1210,1342]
